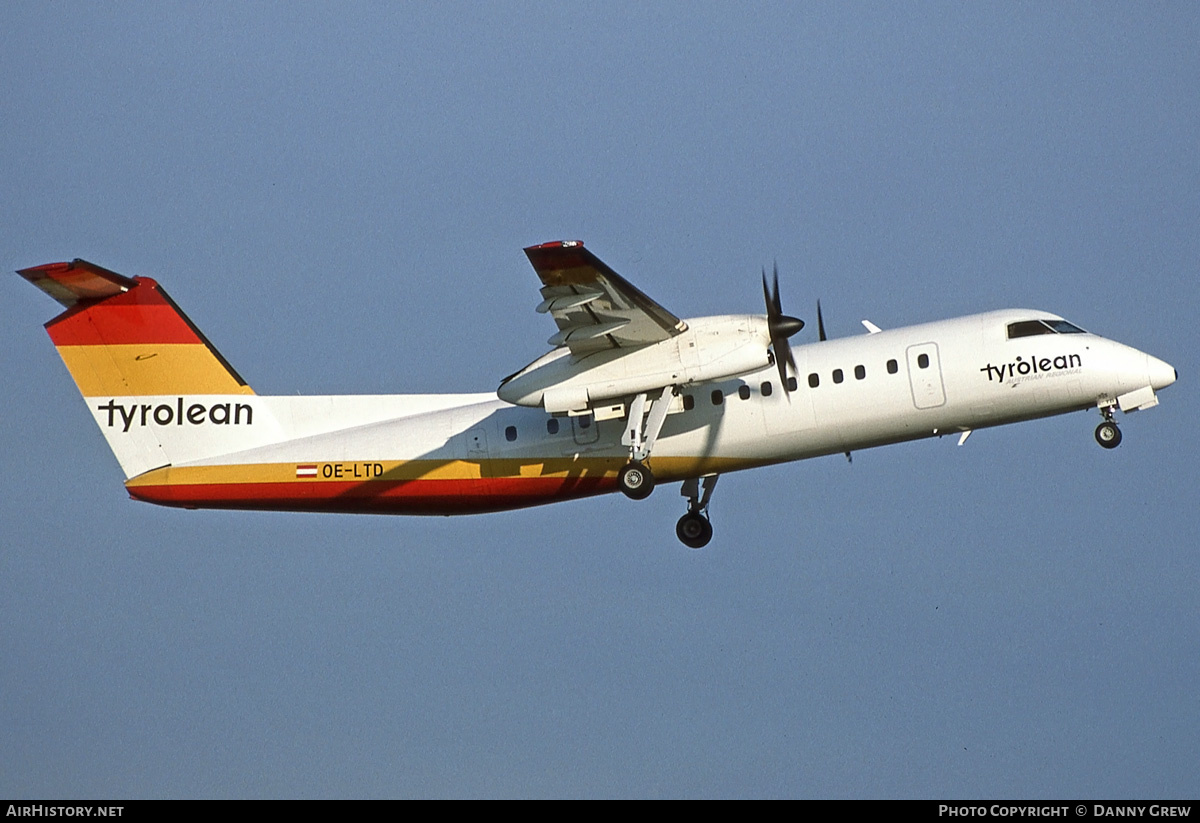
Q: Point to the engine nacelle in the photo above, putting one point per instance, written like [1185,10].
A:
[712,348]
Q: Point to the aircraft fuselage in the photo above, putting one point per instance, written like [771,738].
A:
[630,395]
[441,454]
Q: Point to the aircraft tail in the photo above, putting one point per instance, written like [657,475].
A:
[158,389]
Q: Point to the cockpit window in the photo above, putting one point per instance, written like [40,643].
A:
[1028,328]
[1063,327]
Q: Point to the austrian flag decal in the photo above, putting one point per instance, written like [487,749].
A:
[306,470]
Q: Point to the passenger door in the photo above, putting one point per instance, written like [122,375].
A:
[925,376]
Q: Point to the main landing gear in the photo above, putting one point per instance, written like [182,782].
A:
[1107,433]
[693,529]
[635,478]
[637,481]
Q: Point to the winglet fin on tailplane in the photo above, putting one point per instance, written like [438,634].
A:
[158,389]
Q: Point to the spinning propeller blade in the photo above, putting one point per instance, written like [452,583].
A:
[780,327]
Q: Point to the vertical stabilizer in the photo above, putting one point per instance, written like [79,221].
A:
[158,389]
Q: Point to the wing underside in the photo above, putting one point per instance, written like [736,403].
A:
[594,307]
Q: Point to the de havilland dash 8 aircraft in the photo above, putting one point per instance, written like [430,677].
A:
[629,396]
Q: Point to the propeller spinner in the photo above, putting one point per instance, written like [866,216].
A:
[780,327]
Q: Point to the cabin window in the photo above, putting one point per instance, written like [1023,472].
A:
[744,392]
[837,376]
[689,402]
[792,384]
[893,367]
[510,434]
[765,388]
[923,361]
[717,397]
[814,380]
[585,422]
[552,426]
[860,372]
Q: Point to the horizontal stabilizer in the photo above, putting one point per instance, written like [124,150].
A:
[70,283]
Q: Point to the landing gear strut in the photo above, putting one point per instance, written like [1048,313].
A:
[693,529]
[1107,433]
[635,478]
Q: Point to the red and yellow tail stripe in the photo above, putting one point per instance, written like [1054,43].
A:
[124,336]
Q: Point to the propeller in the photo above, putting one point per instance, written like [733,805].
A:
[780,327]
[820,322]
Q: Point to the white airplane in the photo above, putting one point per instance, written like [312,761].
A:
[628,396]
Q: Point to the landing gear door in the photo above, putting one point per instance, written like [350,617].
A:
[925,376]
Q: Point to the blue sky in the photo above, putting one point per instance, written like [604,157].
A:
[338,196]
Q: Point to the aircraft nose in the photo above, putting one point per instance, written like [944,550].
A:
[1161,373]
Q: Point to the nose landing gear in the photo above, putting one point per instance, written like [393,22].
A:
[1107,433]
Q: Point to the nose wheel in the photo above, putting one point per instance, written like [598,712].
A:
[1108,435]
